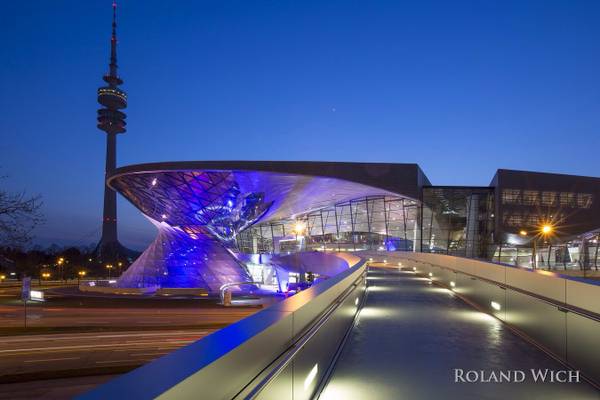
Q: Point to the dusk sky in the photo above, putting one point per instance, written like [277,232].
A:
[461,88]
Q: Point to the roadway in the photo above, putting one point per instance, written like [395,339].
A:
[36,362]
[411,336]
[49,316]
[68,309]
[73,341]
[48,355]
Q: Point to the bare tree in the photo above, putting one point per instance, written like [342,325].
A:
[19,215]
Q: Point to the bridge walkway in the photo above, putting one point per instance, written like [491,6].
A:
[410,337]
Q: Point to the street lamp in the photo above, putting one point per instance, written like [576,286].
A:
[109,267]
[544,230]
[60,263]
[80,274]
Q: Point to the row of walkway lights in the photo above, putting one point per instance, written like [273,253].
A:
[495,305]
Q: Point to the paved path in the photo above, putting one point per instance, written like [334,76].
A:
[412,335]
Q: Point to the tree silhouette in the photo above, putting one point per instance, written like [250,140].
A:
[19,215]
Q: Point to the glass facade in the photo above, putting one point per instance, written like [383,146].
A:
[458,221]
[178,259]
[527,209]
[449,220]
[368,223]
[565,207]
[579,253]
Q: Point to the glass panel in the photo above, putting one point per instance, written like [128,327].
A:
[584,200]
[511,196]
[458,221]
[531,197]
[567,199]
[549,199]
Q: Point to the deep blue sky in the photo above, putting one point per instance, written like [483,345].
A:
[462,88]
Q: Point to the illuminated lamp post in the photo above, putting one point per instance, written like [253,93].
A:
[80,275]
[544,230]
[61,266]
[299,230]
[109,267]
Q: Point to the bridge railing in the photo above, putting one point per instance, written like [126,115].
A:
[558,313]
[283,351]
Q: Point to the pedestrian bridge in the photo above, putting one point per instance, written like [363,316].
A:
[396,325]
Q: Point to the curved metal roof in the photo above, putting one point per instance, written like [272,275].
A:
[405,179]
[224,198]
[225,202]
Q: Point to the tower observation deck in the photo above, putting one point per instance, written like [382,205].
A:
[111,119]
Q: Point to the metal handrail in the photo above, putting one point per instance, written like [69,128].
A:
[342,345]
[561,305]
[228,285]
[299,344]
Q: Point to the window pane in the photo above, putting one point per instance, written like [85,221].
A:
[530,197]
[584,200]
[511,196]
[549,199]
[567,199]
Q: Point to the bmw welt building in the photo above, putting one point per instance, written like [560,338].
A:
[239,221]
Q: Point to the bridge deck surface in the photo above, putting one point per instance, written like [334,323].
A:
[412,335]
